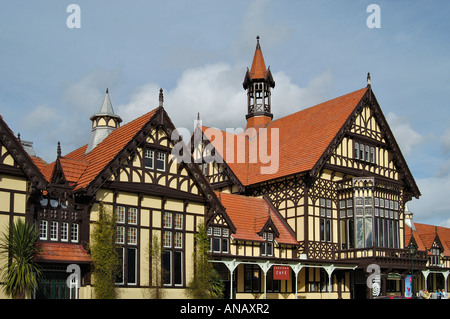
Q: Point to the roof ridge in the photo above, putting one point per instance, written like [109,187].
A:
[317,105]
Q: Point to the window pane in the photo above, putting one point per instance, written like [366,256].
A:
[132,235]
[269,249]
[161,161]
[167,240]
[167,221]
[178,221]
[119,278]
[148,159]
[178,268]
[263,249]
[74,233]
[64,232]
[216,245]
[225,242]
[54,230]
[351,233]
[328,230]
[368,232]
[178,241]
[131,269]
[167,267]
[43,229]
[132,216]
[120,214]
[359,233]
[120,235]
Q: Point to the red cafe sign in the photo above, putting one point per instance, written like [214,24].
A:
[281,272]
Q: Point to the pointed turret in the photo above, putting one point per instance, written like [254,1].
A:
[258,81]
[103,123]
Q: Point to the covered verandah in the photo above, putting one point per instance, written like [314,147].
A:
[296,266]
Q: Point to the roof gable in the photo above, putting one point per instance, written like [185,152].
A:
[252,216]
[302,138]
[302,141]
[20,156]
[428,236]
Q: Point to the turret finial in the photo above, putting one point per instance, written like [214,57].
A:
[58,150]
[161,97]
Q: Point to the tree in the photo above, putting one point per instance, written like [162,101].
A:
[155,255]
[105,258]
[19,245]
[206,283]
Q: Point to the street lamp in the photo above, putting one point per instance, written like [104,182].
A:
[412,250]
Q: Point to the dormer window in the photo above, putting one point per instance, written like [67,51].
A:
[219,239]
[155,159]
[364,152]
[435,258]
[267,246]
[148,158]
[160,161]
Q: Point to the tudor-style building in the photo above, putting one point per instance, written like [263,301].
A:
[131,171]
[295,207]
[334,173]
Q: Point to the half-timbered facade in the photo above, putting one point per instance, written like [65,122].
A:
[335,174]
[128,169]
[302,206]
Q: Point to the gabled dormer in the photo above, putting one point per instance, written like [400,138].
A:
[435,252]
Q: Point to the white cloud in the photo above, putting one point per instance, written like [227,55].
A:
[433,206]
[406,136]
[42,116]
[69,122]
[86,95]
[215,91]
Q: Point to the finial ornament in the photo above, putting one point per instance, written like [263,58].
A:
[161,97]
[58,150]
[368,78]
[107,91]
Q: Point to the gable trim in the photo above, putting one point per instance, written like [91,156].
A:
[22,158]
[370,100]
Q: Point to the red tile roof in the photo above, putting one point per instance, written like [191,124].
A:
[57,252]
[250,214]
[258,70]
[425,235]
[81,169]
[302,139]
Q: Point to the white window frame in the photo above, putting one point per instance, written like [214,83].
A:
[53,230]
[161,157]
[120,235]
[132,239]
[74,233]
[151,155]
[64,231]
[43,229]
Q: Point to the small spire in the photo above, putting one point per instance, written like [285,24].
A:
[161,97]
[368,78]
[107,91]
[198,116]
[58,150]
[257,42]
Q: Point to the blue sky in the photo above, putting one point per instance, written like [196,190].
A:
[53,78]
